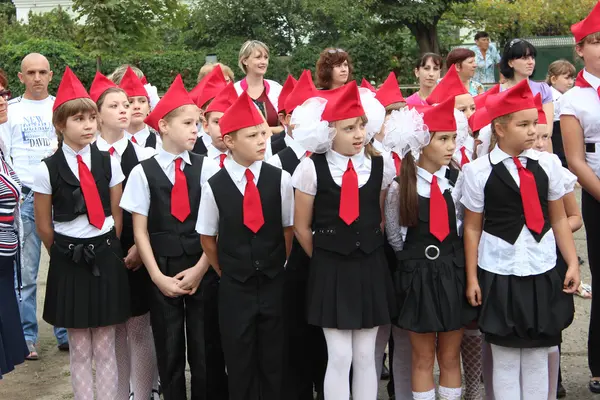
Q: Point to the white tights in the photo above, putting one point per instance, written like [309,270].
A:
[347,348]
[95,345]
[530,366]
[401,361]
[136,358]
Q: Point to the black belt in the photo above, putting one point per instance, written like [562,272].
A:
[25,190]
[590,147]
[431,252]
[83,251]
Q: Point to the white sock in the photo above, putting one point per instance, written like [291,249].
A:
[506,372]
[553,367]
[450,393]
[424,395]
[364,377]
[534,373]
[339,352]
[402,363]
[383,338]
[487,370]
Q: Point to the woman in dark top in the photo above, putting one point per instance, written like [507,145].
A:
[13,348]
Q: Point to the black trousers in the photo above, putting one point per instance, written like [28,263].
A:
[252,333]
[591,218]
[173,321]
[305,347]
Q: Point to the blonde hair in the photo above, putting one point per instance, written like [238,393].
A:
[558,68]
[395,107]
[68,109]
[108,91]
[207,68]
[117,74]
[247,49]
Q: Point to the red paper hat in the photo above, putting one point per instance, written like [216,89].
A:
[517,98]
[144,80]
[208,87]
[242,114]
[304,90]
[479,119]
[70,88]
[288,87]
[541,114]
[421,108]
[449,86]
[591,24]
[389,92]
[224,100]
[366,84]
[100,85]
[343,103]
[441,117]
[132,85]
[175,97]
[480,98]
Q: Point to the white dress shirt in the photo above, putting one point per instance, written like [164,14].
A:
[142,136]
[120,145]
[209,223]
[213,153]
[80,227]
[527,256]
[583,104]
[305,176]
[556,95]
[469,145]
[299,151]
[396,233]
[136,197]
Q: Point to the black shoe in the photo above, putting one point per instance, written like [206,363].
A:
[63,347]
[561,392]
[385,373]
[320,396]
[594,386]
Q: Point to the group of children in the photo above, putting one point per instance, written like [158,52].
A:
[173,238]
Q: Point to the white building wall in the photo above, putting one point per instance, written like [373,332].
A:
[39,6]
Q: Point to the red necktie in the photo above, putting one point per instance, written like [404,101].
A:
[111,151]
[134,140]
[349,195]
[438,212]
[307,154]
[222,158]
[253,213]
[534,219]
[91,196]
[397,162]
[464,159]
[180,201]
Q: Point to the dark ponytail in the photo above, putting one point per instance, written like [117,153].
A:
[409,199]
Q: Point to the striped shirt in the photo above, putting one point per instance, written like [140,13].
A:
[10,191]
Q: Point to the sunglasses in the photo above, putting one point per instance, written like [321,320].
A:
[334,51]
[5,94]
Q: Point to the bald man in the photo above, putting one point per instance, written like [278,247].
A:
[29,137]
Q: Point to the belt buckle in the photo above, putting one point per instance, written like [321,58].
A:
[427,252]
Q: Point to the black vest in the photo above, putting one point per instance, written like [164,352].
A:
[67,198]
[331,233]
[278,142]
[151,140]
[199,147]
[288,159]
[168,236]
[242,253]
[503,214]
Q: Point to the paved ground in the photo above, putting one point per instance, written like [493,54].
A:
[48,378]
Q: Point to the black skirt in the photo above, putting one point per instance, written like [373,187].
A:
[139,280]
[527,311]
[431,293]
[87,283]
[349,292]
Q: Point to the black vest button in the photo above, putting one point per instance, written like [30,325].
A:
[257,262]
[357,244]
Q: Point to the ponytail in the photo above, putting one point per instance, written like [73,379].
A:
[409,198]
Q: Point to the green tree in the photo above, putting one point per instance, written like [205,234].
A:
[421,17]
[56,24]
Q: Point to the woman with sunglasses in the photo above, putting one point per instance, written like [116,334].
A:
[13,348]
[334,68]
[517,64]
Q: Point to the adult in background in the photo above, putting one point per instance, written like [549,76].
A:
[464,60]
[13,348]
[486,58]
[29,137]
[334,68]
[427,72]
[254,61]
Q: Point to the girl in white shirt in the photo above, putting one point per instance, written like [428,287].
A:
[340,191]
[514,212]
[77,193]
